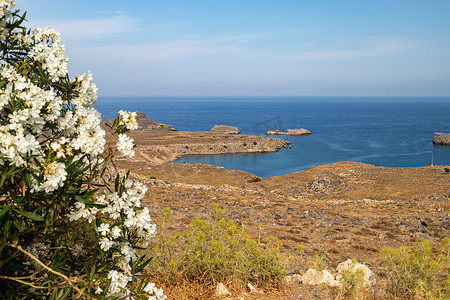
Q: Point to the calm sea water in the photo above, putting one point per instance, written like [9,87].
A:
[393,132]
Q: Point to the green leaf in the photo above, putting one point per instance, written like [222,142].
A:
[7,225]
[17,225]
[116,183]
[64,293]
[27,180]
[29,215]
[83,197]
[10,172]
[143,265]
[4,210]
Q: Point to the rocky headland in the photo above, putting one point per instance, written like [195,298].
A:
[158,143]
[144,123]
[441,138]
[299,131]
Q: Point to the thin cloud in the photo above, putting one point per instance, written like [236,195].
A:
[86,30]
[370,47]
[170,50]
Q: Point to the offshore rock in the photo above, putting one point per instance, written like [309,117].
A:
[223,129]
[441,138]
[301,131]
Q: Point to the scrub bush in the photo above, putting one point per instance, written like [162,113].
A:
[420,272]
[215,250]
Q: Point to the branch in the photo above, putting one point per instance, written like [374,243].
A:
[69,281]
[23,282]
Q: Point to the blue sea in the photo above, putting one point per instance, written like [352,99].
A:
[382,131]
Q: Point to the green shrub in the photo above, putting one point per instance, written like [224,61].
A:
[352,283]
[256,179]
[444,258]
[446,170]
[316,261]
[215,250]
[416,272]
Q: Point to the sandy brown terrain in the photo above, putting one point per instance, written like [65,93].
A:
[340,211]
[343,210]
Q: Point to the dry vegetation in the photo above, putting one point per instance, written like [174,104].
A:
[329,212]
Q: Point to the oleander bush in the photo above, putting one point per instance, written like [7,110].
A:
[215,250]
[65,232]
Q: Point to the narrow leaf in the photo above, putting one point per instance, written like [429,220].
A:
[29,215]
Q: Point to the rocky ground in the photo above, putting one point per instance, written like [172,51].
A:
[343,210]
[339,211]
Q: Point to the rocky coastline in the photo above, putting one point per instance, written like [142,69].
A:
[157,143]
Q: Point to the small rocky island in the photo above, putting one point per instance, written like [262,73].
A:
[441,138]
[301,131]
[224,129]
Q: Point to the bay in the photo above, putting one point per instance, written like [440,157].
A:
[382,131]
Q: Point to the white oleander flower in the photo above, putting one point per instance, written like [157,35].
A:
[54,176]
[106,244]
[156,294]
[119,281]
[115,232]
[103,229]
[82,212]
[5,7]
[125,145]
[128,119]
[49,52]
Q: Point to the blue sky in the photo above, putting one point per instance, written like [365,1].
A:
[255,47]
